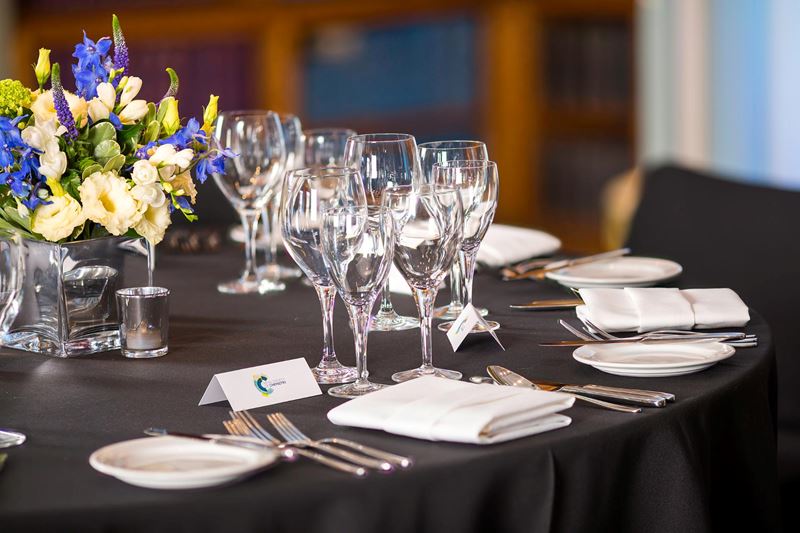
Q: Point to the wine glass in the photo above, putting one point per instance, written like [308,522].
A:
[478,183]
[357,245]
[307,193]
[248,182]
[12,274]
[385,160]
[325,146]
[293,137]
[428,225]
[430,154]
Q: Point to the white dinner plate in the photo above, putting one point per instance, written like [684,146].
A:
[504,244]
[178,463]
[660,359]
[619,272]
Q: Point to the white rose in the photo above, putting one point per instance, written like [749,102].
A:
[58,219]
[133,112]
[150,194]
[163,154]
[41,134]
[154,223]
[53,164]
[183,158]
[144,173]
[131,89]
[107,201]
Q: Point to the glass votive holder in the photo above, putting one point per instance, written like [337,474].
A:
[144,321]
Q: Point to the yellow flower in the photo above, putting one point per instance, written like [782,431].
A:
[107,200]
[42,67]
[58,219]
[210,114]
[44,109]
[172,120]
[154,223]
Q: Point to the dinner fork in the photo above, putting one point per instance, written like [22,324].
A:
[737,339]
[246,425]
[292,433]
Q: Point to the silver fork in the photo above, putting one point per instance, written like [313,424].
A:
[248,425]
[737,339]
[294,437]
[293,433]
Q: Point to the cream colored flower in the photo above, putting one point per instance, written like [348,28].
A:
[58,219]
[154,223]
[150,194]
[42,136]
[133,112]
[99,108]
[144,173]
[107,200]
[53,163]
[184,182]
[132,87]
[44,109]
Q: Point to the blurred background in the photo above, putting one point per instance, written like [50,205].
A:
[572,96]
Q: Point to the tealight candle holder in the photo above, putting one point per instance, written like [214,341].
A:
[144,321]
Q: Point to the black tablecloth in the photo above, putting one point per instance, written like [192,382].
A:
[704,463]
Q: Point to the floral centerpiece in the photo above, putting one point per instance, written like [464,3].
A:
[98,161]
[87,177]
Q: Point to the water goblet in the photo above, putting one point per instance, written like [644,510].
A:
[12,275]
[248,182]
[477,183]
[385,160]
[431,153]
[270,236]
[358,244]
[325,146]
[307,193]
[428,225]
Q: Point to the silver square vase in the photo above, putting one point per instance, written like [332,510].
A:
[68,305]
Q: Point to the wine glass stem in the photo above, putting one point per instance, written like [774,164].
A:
[273,242]
[386,299]
[424,299]
[250,225]
[327,299]
[266,220]
[466,259]
[359,322]
[456,286]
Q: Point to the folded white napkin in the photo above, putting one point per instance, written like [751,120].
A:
[436,409]
[636,309]
[510,244]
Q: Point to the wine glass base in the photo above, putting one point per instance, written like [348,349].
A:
[279,272]
[450,312]
[414,373]
[250,286]
[9,438]
[354,390]
[391,321]
[477,328]
[334,372]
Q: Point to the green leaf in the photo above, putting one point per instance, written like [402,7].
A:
[106,150]
[91,169]
[70,182]
[151,113]
[101,132]
[115,163]
[152,131]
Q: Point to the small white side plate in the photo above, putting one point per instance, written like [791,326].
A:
[178,463]
[653,360]
[618,272]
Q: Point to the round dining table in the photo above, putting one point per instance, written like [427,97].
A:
[705,462]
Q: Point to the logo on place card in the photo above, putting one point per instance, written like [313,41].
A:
[265,386]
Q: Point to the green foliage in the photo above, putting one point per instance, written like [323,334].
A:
[106,150]
[14,98]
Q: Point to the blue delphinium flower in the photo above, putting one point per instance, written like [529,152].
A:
[91,53]
[214,163]
[184,137]
[10,141]
[93,65]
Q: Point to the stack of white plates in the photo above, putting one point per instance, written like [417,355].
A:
[179,463]
[618,272]
[658,359]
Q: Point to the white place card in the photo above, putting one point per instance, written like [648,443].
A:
[462,326]
[262,385]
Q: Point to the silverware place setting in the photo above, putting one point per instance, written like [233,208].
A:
[539,271]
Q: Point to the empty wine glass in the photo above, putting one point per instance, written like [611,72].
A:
[271,270]
[385,160]
[430,154]
[307,193]
[358,244]
[248,181]
[12,274]
[478,183]
[325,146]
[428,225]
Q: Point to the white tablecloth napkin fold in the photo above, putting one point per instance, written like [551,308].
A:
[509,244]
[441,409]
[637,309]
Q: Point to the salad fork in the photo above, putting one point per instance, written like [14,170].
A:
[737,339]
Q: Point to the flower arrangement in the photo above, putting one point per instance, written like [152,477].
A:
[99,161]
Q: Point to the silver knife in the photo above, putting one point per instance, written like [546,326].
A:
[228,440]
[545,305]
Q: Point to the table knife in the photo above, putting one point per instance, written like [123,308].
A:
[539,273]
[504,376]
[228,440]
[545,305]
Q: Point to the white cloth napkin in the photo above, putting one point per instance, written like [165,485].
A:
[509,244]
[636,309]
[439,409]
